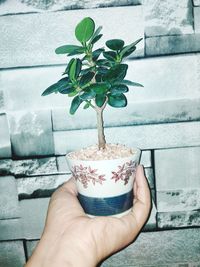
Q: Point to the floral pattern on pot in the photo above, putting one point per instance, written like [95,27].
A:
[124,172]
[86,175]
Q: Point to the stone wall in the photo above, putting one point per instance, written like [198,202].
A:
[163,119]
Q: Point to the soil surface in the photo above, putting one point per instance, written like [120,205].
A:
[111,151]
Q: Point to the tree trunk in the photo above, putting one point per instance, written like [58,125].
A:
[100,128]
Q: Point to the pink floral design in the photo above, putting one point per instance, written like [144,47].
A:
[124,172]
[86,175]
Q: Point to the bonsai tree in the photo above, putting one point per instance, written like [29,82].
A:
[95,77]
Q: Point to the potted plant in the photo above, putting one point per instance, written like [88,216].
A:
[95,78]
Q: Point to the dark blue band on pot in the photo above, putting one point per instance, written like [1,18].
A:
[106,206]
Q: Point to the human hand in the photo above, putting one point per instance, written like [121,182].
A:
[71,238]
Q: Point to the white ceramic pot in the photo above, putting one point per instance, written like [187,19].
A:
[105,186]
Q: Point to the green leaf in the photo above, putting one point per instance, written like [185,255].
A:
[116,73]
[96,33]
[56,87]
[87,94]
[84,30]
[117,101]
[129,48]
[73,94]
[96,39]
[103,62]
[129,52]
[75,69]
[130,83]
[100,100]
[100,88]
[110,55]
[66,49]
[86,78]
[87,105]
[97,53]
[118,89]
[75,104]
[115,44]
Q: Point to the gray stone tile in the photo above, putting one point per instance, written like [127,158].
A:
[33,215]
[5,146]
[145,137]
[177,219]
[31,133]
[146,158]
[11,229]
[12,254]
[177,168]
[8,198]
[136,113]
[14,6]
[151,223]
[116,22]
[197,19]
[155,249]
[168,17]
[62,164]
[196,2]
[178,200]
[1,101]
[5,167]
[150,177]
[30,246]
[175,44]
[39,186]
[32,167]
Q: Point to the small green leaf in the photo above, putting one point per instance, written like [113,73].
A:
[117,101]
[73,94]
[116,73]
[66,49]
[96,33]
[129,48]
[56,87]
[100,88]
[75,69]
[103,62]
[110,55]
[75,104]
[86,78]
[100,100]
[130,83]
[87,94]
[84,30]
[87,105]
[115,44]
[97,53]
[118,89]
[96,39]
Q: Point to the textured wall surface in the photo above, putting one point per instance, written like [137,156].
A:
[163,119]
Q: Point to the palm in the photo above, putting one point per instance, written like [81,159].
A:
[99,235]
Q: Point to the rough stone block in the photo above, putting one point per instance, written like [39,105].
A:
[151,223]
[39,186]
[150,176]
[117,23]
[175,44]
[62,165]
[196,2]
[25,6]
[8,198]
[5,147]
[161,101]
[166,248]
[135,114]
[5,166]
[168,17]
[145,137]
[31,133]
[177,168]
[30,246]
[1,101]
[197,19]
[178,200]
[12,254]
[11,229]
[176,219]
[146,158]
[33,214]
[32,167]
